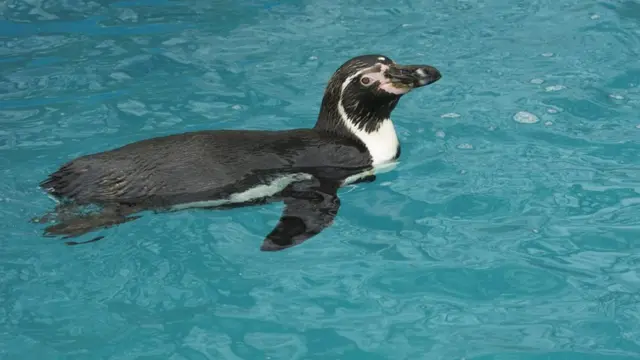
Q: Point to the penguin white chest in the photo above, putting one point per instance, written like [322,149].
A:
[382,143]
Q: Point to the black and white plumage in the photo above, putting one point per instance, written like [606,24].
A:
[304,168]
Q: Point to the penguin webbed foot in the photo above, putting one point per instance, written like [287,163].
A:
[309,207]
[81,225]
[69,223]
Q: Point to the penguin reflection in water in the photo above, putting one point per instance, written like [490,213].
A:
[218,169]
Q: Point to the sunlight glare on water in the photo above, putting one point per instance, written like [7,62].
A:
[493,238]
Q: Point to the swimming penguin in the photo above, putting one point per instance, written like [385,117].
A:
[218,169]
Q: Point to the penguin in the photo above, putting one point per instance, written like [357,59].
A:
[303,168]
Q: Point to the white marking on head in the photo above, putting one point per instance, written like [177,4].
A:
[423,76]
[382,58]
[382,144]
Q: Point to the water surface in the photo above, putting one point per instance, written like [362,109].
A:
[509,230]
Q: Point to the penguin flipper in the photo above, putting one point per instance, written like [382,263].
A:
[309,207]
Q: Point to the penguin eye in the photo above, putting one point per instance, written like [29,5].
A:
[365,80]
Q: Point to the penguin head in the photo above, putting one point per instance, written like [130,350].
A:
[364,90]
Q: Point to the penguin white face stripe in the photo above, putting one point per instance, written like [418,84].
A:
[382,144]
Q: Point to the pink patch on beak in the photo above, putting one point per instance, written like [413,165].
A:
[390,88]
[385,84]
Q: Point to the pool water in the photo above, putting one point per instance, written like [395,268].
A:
[509,229]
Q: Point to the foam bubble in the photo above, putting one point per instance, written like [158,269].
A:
[547,54]
[450,115]
[554,88]
[465,146]
[595,17]
[440,134]
[133,107]
[174,41]
[128,15]
[524,117]
[537,81]
[119,75]
[616,96]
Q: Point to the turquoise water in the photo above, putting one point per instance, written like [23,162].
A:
[495,238]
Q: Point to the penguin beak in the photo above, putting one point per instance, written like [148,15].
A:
[400,79]
[412,76]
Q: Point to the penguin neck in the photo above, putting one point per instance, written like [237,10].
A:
[374,130]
